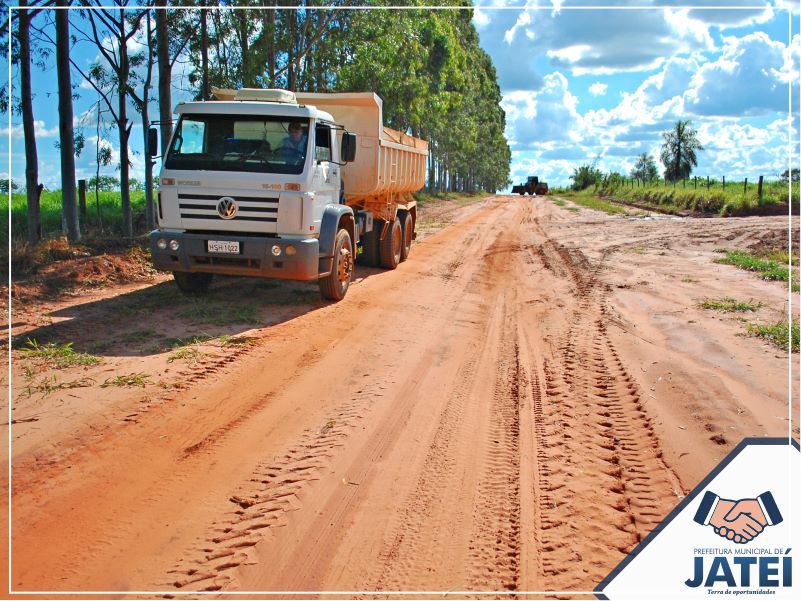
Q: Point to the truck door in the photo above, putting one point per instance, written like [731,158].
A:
[326,173]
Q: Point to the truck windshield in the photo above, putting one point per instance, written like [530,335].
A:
[239,143]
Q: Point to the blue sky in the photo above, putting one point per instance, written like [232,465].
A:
[578,85]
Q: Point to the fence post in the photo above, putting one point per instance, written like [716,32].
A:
[759,190]
[724,183]
[82,197]
[707,182]
[745,185]
[695,182]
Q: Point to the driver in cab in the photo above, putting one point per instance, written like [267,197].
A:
[293,146]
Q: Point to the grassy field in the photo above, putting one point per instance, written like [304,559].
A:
[109,209]
[736,200]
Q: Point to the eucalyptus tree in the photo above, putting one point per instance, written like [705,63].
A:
[22,55]
[645,168]
[69,197]
[110,29]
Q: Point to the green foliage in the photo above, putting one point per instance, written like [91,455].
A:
[779,334]
[104,183]
[56,355]
[593,202]
[679,151]
[4,184]
[110,212]
[586,175]
[729,305]
[685,196]
[645,168]
[766,268]
[135,379]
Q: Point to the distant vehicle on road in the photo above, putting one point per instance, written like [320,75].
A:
[532,186]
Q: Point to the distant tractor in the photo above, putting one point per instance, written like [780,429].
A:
[532,186]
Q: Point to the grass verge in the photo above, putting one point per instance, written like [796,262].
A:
[766,268]
[779,334]
[729,305]
[56,355]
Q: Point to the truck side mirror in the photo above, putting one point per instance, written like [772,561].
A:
[348,150]
[152,142]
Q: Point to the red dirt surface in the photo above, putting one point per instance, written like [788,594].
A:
[513,408]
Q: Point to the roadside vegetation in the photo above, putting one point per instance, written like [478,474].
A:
[766,268]
[677,191]
[56,355]
[779,334]
[729,305]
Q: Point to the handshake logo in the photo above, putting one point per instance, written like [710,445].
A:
[739,521]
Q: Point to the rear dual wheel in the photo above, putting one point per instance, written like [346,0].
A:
[391,246]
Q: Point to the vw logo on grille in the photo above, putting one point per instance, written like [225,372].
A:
[226,207]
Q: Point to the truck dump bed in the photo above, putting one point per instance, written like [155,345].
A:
[388,162]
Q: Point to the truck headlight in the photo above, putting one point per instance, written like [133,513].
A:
[161,243]
[291,251]
[174,245]
[276,250]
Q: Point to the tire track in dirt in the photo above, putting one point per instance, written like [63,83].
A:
[275,487]
[495,542]
[602,485]
[266,498]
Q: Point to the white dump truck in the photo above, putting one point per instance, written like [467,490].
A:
[276,184]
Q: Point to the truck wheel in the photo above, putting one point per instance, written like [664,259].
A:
[192,283]
[390,247]
[407,227]
[335,284]
[370,256]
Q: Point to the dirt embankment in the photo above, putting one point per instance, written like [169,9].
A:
[513,408]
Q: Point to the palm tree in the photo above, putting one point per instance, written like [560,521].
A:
[678,151]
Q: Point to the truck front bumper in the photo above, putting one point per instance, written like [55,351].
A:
[255,256]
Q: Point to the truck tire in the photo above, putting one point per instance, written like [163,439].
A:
[192,283]
[370,255]
[407,230]
[335,284]
[390,247]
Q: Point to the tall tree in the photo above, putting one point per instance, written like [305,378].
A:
[165,75]
[110,31]
[142,103]
[645,168]
[32,189]
[66,135]
[679,150]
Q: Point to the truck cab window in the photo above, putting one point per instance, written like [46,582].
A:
[251,143]
[322,144]
[190,138]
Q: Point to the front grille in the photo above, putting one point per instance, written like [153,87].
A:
[249,208]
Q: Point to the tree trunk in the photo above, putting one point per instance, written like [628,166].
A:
[69,199]
[28,129]
[122,127]
[150,218]
[269,27]
[205,92]
[165,78]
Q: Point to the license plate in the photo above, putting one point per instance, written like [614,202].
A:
[230,247]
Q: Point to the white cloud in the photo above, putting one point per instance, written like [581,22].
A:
[40,131]
[522,20]
[598,88]
[749,78]
[481,18]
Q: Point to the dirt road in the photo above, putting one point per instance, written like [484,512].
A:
[513,408]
